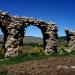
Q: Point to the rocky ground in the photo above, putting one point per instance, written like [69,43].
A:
[64,65]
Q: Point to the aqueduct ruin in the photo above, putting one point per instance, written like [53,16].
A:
[13,28]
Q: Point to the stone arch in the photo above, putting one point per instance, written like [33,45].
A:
[13,28]
[33,30]
[43,30]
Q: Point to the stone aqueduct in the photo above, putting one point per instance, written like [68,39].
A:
[13,29]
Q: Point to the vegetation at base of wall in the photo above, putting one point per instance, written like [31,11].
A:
[1,53]
[37,53]
[33,44]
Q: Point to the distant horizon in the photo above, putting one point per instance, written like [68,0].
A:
[33,36]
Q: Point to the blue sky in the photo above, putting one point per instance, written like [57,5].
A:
[62,12]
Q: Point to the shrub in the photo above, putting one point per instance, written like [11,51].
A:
[1,53]
[63,50]
[36,51]
[62,47]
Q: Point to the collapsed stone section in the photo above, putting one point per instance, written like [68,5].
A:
[13,28]
[70,39]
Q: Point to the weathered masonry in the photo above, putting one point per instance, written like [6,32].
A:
[13,28]
[70,39]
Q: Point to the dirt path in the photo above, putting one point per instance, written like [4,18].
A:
[51,66]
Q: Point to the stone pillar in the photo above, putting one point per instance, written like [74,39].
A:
[5,20]
[70,39]
[52,38]
[14,40]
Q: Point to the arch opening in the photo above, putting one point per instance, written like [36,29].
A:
[33,37]
[1,39]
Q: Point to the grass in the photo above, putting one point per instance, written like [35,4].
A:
[21,58]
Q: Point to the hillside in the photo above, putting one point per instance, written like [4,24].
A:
[38,40]
[32,39]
